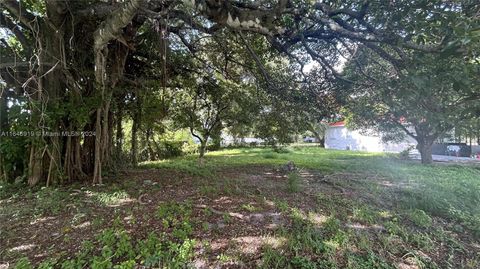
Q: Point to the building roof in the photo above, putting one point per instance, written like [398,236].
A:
[337,124]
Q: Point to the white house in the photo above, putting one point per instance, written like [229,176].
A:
[228,140]
[338,136]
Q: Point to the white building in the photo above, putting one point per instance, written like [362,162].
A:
[338,136]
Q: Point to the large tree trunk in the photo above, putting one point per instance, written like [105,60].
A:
[109,30]
[35,165]
[97,165]
[203,147]
[425,149]
[320,138]
[322,142]
[151,153]
[47,94]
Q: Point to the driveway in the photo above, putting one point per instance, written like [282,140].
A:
[449,159]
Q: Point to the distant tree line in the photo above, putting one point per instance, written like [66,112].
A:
[207,66]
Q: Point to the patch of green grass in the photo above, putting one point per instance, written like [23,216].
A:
[273,258]
[410,181]
[269,155]
[110,198]
[394,200]
[365,214]
[331,226]
[394,228]
[421,240]
[302,262]
[364,243]
[12,190]
[282,205]
[393,243]
[212,188]
[370,260]
[249,208]
[227,218]
[23,263]
[449,191]
[224,258]
[176,216]
[187,164]
[50,201]
[282,150]
[420,218]
[209,190]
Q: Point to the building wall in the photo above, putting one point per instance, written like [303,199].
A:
[228,140]
[339,137]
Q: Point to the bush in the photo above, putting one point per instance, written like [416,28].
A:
[293,183]
[12,157]
[169,149]
[189,148]
[405,154]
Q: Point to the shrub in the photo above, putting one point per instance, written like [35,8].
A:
[293,183]
[189,148]
[169,149]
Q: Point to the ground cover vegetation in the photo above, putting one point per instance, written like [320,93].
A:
[113,115]
[242,207]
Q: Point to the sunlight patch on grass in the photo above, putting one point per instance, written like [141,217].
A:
[110,198]
[316,218]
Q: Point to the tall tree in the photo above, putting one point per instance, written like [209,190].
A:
[208,102]
[424,100]
[69,57]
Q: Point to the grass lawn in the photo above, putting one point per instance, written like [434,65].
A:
[242,208]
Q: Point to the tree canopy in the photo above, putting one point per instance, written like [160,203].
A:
[84,66]
[424,100]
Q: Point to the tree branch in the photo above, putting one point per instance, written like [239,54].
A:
[255,58]
[9,24]
[16,9]
[254,20]
[399,124]
[111,27]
